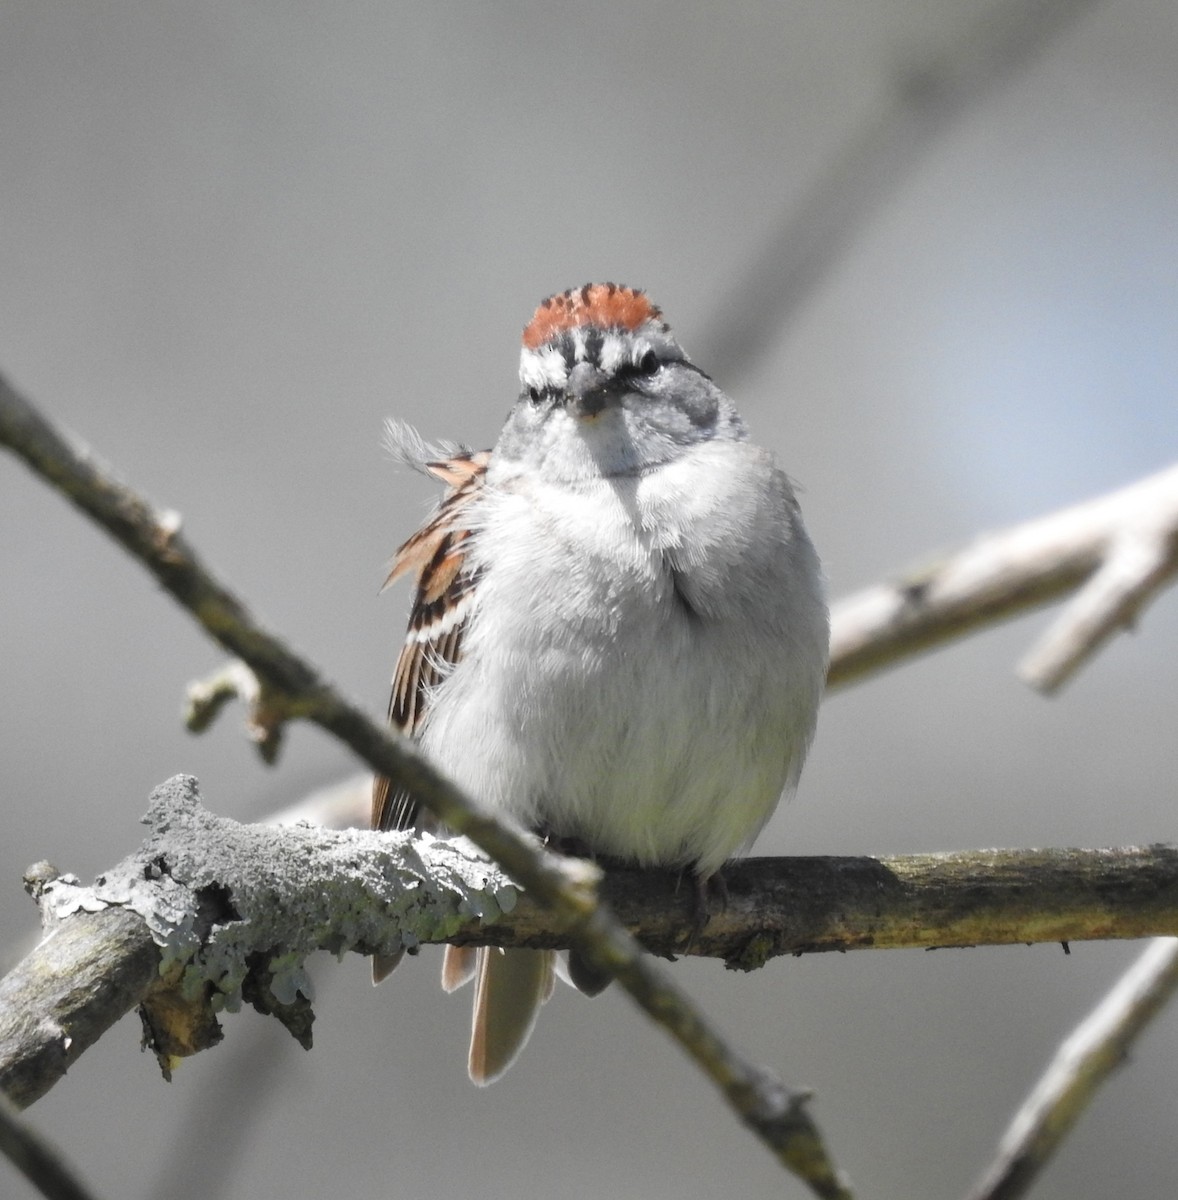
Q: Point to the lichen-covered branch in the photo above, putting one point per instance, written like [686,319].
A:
[209,913]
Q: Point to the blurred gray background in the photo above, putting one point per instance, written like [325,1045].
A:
[234,238]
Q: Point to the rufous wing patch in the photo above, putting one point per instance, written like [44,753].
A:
[436,555]
[463,475]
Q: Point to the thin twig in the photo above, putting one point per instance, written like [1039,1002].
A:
[1094,1049]
[1002,574]
[265,714]
[766,1105]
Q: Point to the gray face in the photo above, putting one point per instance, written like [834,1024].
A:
[611,402]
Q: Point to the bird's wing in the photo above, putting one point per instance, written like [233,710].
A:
[437,554]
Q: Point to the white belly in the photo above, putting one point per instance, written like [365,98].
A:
[593,701]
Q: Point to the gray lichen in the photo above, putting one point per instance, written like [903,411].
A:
[216,894]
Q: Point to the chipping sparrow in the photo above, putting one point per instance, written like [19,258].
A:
[619,636]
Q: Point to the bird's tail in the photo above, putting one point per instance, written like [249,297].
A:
[510,986]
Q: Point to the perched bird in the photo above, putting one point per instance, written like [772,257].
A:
[619,637]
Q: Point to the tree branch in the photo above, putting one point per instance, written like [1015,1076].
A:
[1095,1048]
[208,913]
[1003,574]
[774,1112]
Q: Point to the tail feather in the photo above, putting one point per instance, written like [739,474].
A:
[511,986]
[458,967]
[384,965]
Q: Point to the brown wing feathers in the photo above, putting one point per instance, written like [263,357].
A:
[433,643]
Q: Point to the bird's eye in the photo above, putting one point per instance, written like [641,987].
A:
[648,364]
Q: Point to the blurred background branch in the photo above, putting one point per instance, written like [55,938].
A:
[37,1160]
[1122,547]
[810,237]
[1087,1057]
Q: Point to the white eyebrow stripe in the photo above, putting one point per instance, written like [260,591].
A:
[615,350]
[542,369]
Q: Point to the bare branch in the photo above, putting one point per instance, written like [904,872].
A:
[767,1106]
[1142,559]
[1003,574]
[1095,1048]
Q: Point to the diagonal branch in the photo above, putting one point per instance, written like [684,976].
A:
[1094,1049]
[801,250]
[774,1112]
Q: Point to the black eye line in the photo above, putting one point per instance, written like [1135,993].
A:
[650,364]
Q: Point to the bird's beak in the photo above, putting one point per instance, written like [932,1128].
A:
[587,391]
